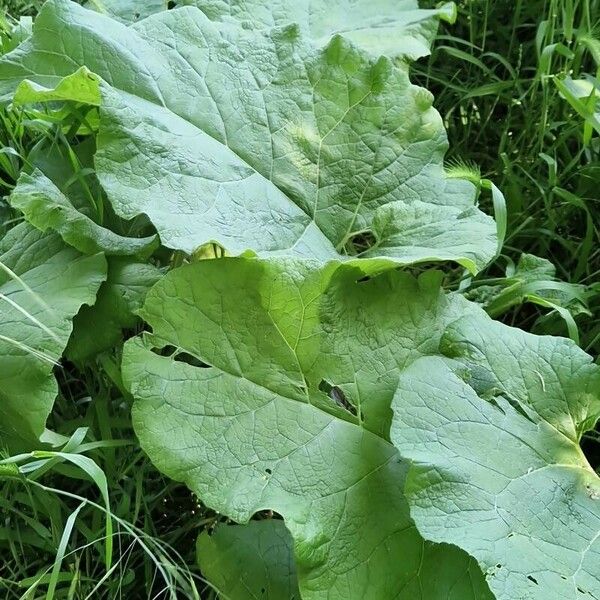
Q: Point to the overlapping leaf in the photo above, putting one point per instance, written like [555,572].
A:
[43,284]
[291,412]
[128,11]
[259,138]
[498,468]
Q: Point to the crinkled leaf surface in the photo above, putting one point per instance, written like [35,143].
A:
[250,562]
[46,207]
[396,28]
[534,268]
[291,409]
[50,283]
[99,327]
[259,139]
[498,470]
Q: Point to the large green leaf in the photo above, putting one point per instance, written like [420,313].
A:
[292,410]
[250,562]
[258,138]
[43,283]
[396,28]
[497,468]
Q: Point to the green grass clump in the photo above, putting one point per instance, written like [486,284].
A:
[20,7]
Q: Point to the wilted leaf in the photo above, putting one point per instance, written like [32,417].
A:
[46,207]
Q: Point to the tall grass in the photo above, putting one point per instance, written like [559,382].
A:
[95,520]
[501,78]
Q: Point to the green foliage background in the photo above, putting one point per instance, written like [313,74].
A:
[493,74]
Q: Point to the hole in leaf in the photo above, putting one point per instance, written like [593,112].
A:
[171,4]
[491,400]
[165,350]
[337,395]
[179,355]
[360,242]
[268,471]
[532,578]
[208,251]
[136,15]
[591,449]
[516,405]
[185,357]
